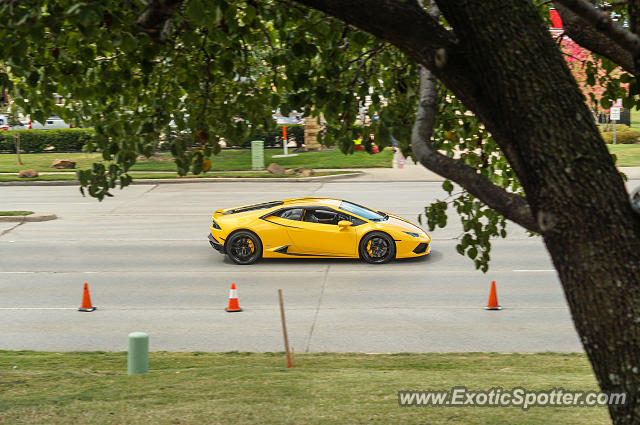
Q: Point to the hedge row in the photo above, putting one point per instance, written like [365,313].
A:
[73,139]
[624,135]
[68,139]
[273,137]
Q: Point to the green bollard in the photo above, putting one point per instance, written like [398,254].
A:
[138,356]
[257,154]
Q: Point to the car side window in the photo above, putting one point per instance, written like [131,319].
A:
[342,217]
[294,214]
[356,221]
[323,216]
[310,216]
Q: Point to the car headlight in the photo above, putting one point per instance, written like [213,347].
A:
[415,235]
[215,225]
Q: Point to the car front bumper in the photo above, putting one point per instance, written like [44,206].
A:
[215,244]
[422,248]
[414,247]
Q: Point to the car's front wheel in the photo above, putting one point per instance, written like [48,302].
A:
[377,248]
[243,247]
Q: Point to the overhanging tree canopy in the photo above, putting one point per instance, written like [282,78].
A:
[530,151]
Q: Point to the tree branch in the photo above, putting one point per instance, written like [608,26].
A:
[591,39]
[420,39]
[513,207]
[425,40]
[603,23]
[156,17]
[633,7]
[431,45]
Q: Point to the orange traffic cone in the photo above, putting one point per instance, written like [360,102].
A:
[86,300]
[493,298]
[234,306]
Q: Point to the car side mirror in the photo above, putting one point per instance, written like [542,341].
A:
[343,224]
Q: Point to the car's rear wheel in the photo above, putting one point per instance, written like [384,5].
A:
[377,248]
[243,247]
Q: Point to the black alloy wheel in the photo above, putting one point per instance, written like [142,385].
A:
[243,247]
[377,248]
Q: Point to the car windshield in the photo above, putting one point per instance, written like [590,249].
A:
[362,211]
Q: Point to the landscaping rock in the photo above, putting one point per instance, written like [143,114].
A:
[306,172]
[26,174]
[274,168]
[63,164]
[290,171]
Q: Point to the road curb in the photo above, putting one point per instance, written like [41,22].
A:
[28,218]
[251,179]
[193,180]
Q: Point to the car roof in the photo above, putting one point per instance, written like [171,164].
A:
[303,202]
[312,201]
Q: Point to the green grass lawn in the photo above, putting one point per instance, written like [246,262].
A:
[14,213]
[628,155]
[146,176]
[635,119]
[245,388]
[231,160]
[227,160]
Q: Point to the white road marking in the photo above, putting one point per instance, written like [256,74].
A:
[528,271]
[58,203]
[37,308]
[310,270]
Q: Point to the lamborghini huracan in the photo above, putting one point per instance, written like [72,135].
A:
[314,227]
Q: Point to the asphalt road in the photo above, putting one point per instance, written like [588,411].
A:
[150,268]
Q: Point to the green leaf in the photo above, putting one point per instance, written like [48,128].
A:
[447,186]
[605,102]
[628,102]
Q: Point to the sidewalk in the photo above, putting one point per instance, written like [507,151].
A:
[417,172]
[410,172]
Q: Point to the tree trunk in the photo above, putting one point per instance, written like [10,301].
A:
[504,66]
[18,148]
[533,106]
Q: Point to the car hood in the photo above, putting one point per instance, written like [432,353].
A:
[404,225]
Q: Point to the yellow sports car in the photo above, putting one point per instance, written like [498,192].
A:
[314,227]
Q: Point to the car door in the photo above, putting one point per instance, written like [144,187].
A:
[275,235]
[319,234]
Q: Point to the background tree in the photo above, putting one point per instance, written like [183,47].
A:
[12,120]
[530,152]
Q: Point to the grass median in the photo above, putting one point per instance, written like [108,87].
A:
[147,176]
[14,213]
[250,388]
[226,160]
[628,155]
